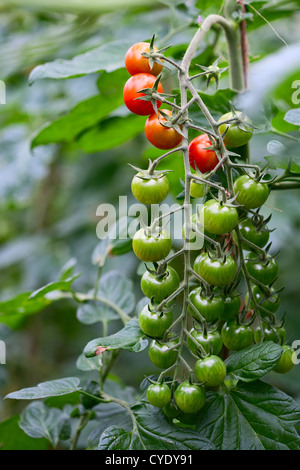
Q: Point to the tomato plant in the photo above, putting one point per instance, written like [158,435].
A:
[158,395]
[218,218]
[216,272]
[211,308]
[211,370]
[209,341]
[151,247]
[160,136]
[154,324]
[136,63]
[159,286]
[258,236]
[163,355]
[236,133]
[189,398]
[150,189]
[201,156]
[250,193]
[236,336]
[131,93]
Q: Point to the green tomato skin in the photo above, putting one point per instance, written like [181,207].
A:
[161,355]
[259,237]
[271,303]
[217,218]
[210,309]
[211,371]
[232,305]
[236,337]
[234,137]
[286,362]
[265,273]
[197,190]
[189,398]
[211,343]
[250,193]
[151,248]
[276,334]
[154,324]
[170,410]
[149,191]
[159,287]
[158,395]
[214,272]
[196,236]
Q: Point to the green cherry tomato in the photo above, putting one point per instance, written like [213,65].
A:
[286,361]
[158,395]
[270,302]
[161,355]
[210,371]
[151,247]
[274,333]
[197,189]
[150,190]
[232,305]
[215,272]
[211,308]
[236,135]
[250,193]
[155,324]
[170,410]
[236,337]
[211,342]
[159,287]
[217,218]
[189,398]
[259,237]
[263,271]
[196,236]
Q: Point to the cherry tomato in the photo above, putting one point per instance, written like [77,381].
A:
[211,308]
[158,395]
[189,398]
[161,137]
[236,337]
[263,271]
[232,305]
[215,272]
[196,236]
[155,324]
[170,410]
[136,63]
[286,361]
[270,302]
[211,342]
[161,355]
[274,333]
[150,247]
[130,93]
[152,190]
[217,218]
[252,234]
[197,189]
[200,156]
[159,287]
[235,135]
[250,193]
[210,371]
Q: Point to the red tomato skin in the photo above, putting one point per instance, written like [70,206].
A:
[205,160]
[132,86]
[136,63]
[161,137]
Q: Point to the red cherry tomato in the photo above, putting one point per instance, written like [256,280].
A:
[136,63]
[199,156]
[160,136]
[130,93]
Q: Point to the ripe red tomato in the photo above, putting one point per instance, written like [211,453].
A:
[132,86]
[161,137]
[199,156]
[136,63]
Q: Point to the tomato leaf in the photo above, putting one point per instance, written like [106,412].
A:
[51,388]
[12,437]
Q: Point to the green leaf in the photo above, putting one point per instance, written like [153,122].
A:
[254,362]
[38,420]
[54,286]
[12,437]
[111,133]
[14,310]
[275,147]
[153,431]
[67,270]
[51,388]
[130,338]
[93,312]
[87,364]
[108,57]
[293,116]
[253,416]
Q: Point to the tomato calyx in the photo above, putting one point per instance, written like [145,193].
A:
[152,307]
[212,72]
[152,94]
[153,52]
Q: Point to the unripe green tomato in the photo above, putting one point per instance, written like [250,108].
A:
[235,136]
[211,308]
[215,272]
[155,324]
[151,248]
[275,334]
[263,271]
[159,287]
[271,302]
[236,337]
[259,237]
[161,355]
[196,236]
[286,361]
[158,395]
[218,218]
[150,191]
[210,371]
[211,342]
[250,193]
[197,189]
[189,398]
[232,305]
[170,410]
